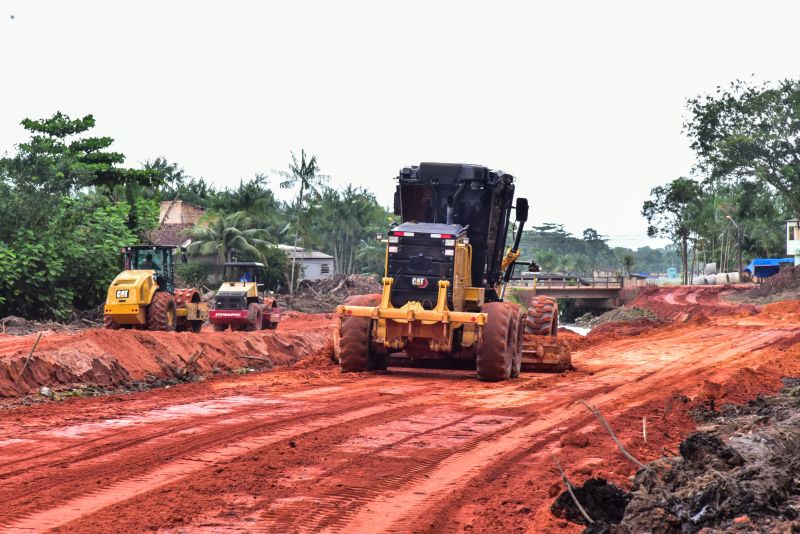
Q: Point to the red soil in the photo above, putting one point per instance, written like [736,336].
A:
[107,357]
[685,302]
[306,449]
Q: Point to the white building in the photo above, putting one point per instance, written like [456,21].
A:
[793,239]
[315,265]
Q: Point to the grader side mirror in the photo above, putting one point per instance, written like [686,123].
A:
[522,209]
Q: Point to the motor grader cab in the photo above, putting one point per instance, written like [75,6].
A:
[446,271]
[144,297]
[240,303]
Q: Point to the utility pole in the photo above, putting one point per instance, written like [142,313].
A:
[738,246]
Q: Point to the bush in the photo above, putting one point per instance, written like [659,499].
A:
[194,274]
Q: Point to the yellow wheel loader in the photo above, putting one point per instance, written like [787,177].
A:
[144,297]
[445,275]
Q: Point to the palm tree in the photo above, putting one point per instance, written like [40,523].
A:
[227,235]
[628,260]
[305,174]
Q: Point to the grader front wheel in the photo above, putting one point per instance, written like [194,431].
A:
[353,343]
[496,354]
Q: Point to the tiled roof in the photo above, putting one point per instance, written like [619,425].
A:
[171,234]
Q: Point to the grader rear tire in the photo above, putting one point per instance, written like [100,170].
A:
[352,343]
[161,313]
[495,359]
[542,319]
[519,319]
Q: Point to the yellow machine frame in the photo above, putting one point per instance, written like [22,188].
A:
[393,327]
[128,296]
[132,291]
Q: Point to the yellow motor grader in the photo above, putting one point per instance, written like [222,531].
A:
[445,276]
[144,297]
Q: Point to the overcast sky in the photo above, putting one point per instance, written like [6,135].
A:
[582,101]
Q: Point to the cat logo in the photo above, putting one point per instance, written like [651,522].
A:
[419,282]
[122,293]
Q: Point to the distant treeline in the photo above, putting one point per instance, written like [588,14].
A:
[746,184]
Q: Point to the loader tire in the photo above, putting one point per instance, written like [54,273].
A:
[161,314]
[182,298]
[496,353]
[255,317]
[542,319]
[352,342]
[109,323]
[519,329]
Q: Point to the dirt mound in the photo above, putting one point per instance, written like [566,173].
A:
[17,326]
[110,358]
[626,314]
[787,280]
[682,303]
[740,473]
[321,296]
[603,502]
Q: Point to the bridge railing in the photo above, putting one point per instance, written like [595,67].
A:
[567,282]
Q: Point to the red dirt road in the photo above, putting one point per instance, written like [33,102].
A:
[306,449]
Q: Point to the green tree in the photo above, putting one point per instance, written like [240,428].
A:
[227,236]
[670,213]
[303,174]
[344,225]
[628,261]
[60,160]
[750,133]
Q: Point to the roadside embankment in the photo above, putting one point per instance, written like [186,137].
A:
[112,358]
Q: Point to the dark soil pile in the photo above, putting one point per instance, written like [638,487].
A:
[787,280]
[738,475]
[623,315]
[322,296]
[603,502]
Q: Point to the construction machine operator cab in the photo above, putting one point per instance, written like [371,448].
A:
[158,259]
[458,197]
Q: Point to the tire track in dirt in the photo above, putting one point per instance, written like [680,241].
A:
[423,448]
[343,494]
[396,512]
[193,454]
[110,443]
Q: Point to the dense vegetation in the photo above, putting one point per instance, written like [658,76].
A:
[67,206]
[556,250]
[747,181]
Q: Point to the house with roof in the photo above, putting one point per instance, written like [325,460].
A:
[315,265]
[175,218]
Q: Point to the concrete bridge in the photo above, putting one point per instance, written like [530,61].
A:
[601,293]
